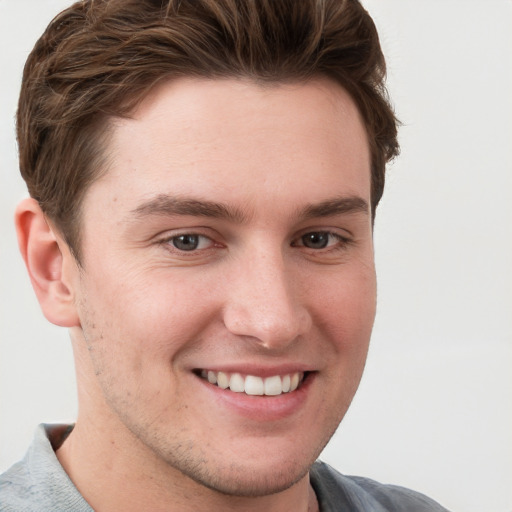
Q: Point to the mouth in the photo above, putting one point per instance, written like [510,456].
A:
[254,385]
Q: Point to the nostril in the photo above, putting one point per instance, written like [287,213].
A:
[271,328]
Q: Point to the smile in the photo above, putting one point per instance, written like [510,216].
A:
[253,385]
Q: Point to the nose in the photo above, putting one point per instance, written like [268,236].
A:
[265,302]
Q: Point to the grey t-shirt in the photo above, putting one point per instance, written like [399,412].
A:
[38,483]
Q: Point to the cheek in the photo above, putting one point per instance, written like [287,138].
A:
[146,314]
[346,305]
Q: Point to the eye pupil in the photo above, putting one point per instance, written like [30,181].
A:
[186,242]
[316,240]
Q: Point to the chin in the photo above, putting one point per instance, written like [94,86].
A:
[247,481]
[244,469]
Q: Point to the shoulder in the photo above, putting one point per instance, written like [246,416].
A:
[357,494]
[38,482]
[14,488]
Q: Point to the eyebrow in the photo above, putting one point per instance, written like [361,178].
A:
[336,206]
[167,205]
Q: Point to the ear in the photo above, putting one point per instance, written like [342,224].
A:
[49,262]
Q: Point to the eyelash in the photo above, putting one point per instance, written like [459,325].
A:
[341,242]
[169,242]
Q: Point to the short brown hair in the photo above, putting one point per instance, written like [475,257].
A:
[99,58]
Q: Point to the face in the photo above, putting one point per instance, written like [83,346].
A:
[228,292]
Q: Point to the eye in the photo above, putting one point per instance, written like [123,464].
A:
[190,242]
[321,240]
[315,240]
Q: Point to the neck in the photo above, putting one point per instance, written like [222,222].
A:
[113,472]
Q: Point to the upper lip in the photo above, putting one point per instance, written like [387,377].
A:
[257,370]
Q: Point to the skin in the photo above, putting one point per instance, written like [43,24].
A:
[251,170]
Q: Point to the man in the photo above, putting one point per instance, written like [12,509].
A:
[204,177]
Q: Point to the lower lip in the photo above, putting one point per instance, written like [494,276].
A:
[262,408]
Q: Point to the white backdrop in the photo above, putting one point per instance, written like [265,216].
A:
[434,411]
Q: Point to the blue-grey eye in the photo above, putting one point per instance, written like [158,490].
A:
[186,242]
[316,240]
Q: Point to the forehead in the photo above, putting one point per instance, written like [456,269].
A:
[239,139]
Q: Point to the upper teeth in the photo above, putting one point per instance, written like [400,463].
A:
[253,385]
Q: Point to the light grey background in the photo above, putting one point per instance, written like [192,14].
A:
[434,411]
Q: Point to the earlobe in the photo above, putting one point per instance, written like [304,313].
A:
[49,263]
